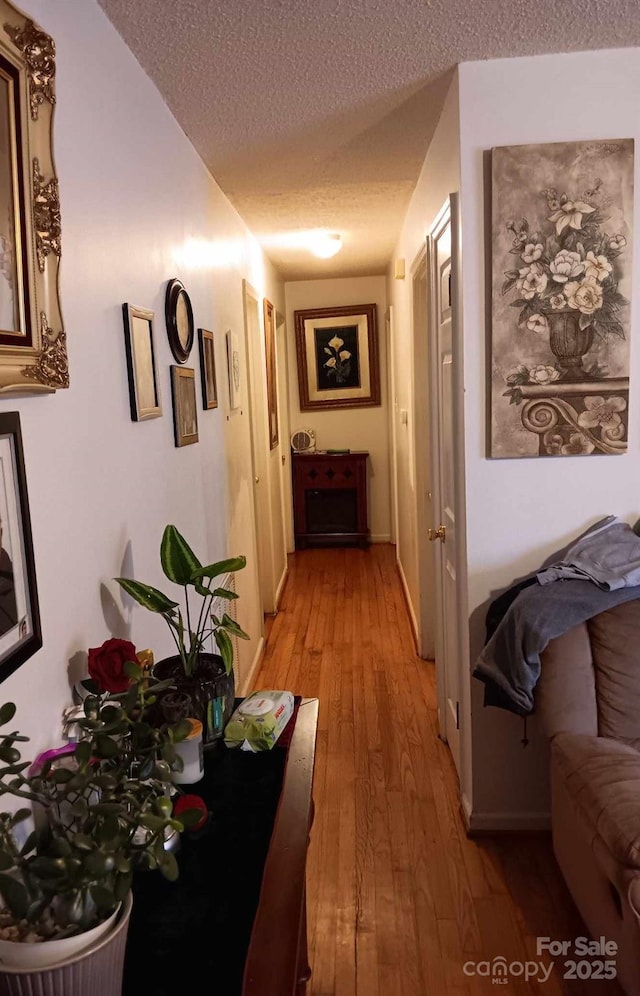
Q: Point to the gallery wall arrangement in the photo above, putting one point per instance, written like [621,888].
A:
[144,390]
[562,221]
[337,354]
[33,351]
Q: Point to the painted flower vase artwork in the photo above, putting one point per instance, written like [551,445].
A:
[562,219]
[338,366]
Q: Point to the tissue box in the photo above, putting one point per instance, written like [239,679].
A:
[259,720]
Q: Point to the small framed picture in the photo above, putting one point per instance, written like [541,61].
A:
[144,391]
[20,634]
[234,369]
[208,370]
[185,416]
[179,318]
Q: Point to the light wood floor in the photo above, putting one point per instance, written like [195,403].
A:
[399,898]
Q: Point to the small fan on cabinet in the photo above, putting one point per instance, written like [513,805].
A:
[303,441]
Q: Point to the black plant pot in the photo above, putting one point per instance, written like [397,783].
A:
[210,688]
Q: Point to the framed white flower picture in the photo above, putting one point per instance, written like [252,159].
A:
[234,366]
[562,217]
[337,353]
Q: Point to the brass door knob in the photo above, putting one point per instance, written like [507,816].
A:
[439,533]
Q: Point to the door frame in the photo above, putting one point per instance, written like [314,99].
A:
[259,445]
[450,213]
[282,344]
[421,426]
[393,415]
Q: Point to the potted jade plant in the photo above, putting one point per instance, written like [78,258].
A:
[203,679]
[100,809]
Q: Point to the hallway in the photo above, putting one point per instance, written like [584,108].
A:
[398,897]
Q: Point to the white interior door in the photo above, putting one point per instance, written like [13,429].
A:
[259,444]
[444,532]
[422,457]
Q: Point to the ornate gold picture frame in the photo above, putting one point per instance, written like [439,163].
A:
[33,354]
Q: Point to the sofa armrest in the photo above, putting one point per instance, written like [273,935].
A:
[565,695]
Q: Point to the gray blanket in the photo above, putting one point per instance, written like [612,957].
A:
[509,664]
[608,554]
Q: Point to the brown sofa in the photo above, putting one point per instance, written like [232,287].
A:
[588,698]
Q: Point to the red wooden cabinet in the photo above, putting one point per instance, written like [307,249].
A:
[330,499]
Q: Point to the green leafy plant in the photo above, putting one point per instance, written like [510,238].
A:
[99,814]
[192,630]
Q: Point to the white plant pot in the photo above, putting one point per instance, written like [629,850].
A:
[95,970]
[36,954]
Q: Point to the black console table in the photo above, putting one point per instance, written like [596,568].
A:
[236,917]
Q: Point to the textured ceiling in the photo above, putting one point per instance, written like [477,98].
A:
[318,115]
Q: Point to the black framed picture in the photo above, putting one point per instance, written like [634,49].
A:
[20,634]
[144,391]
[185,416]
[179,317]
[208,370]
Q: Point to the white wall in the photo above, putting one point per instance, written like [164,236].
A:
[101,487]
[439,177]
[520,511]
[355,428]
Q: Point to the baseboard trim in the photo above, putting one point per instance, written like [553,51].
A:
[281,585]
[479,824]
[465,807]
[407,601]
[246,684]
[381,538]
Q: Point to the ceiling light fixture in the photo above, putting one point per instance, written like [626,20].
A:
[325,245]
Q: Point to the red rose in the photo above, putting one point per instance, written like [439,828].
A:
[192,810]
[106,664]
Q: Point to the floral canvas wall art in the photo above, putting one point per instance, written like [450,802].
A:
[562,218]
